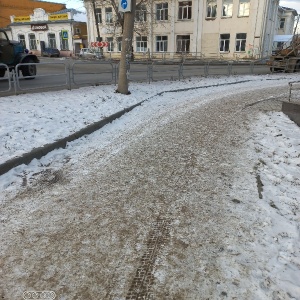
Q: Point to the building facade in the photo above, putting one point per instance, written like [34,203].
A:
[53,30]
[286,20]
[24,8]
[231,29]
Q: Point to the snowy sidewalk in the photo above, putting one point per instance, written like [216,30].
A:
[214,175]
[33,120]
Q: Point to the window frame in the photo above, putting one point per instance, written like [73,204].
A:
[109,15]
[32,42]
[184,8]
[228,5]
[51,40]
[110,47]
[282,21]
[211,9]
[240,42]
[162,12]
[244,11]
[141,43]
[223,41]
[22,40]
[185,42]
[119,43]
[140,14]
[98,15]
[161,43]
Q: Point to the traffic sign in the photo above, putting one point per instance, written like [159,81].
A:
[99,44]
[124,5]
[64,34]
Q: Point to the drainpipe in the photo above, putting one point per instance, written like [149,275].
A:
[197,28]
[263,28]
[96,23]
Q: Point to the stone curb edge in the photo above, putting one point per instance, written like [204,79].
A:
[39,152]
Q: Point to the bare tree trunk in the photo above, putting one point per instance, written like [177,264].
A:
[126,49]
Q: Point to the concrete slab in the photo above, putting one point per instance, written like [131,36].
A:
[292,110]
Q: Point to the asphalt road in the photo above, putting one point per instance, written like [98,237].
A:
[61,73]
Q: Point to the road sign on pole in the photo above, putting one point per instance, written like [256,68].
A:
[99,44]
[124,5]
[64,34]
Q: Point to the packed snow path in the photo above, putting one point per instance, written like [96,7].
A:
[176,194]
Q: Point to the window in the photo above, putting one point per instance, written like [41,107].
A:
[282,22]
[141,13]
[51,40]
[244,8]
[64,43]
[227,8]
[161,44]
[110,47]
[22,40]
[185,10]
[183,43]
[141,44]
[162,11]
[211,9]
[240,42]
[108,15]
[119,41]
[98,13]
[32,41]
[77,30]
[224,42]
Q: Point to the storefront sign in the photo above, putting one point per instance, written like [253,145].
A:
[22,19]
[39,27]
[58,17]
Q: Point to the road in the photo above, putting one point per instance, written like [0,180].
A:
[57,74]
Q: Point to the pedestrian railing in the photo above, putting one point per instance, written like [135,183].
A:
[294,85]
[48,74]
[70,74]
[91,73]
[6,83]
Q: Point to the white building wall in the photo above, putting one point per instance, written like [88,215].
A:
[41,17]
[259,26]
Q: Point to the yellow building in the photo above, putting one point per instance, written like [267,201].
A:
[24,8]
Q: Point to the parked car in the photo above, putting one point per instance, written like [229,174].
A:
[51,52]
[90,53]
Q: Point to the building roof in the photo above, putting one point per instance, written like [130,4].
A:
[63,11]
[295,13]
[78,15]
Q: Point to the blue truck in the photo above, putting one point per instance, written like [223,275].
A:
[13,53]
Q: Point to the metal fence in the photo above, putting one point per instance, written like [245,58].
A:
[71,74]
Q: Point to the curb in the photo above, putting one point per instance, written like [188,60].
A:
[38,153]
[292,110]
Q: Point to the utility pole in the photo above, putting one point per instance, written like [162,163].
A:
[126,48]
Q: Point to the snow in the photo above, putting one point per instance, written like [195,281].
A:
[258,252]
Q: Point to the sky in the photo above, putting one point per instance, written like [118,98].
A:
[79,4]
[291,4]
[260,257]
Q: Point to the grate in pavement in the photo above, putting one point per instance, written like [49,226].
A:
[143,280]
